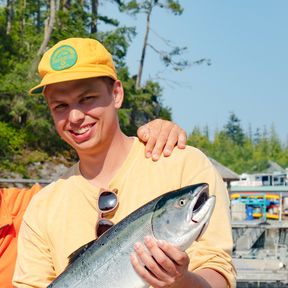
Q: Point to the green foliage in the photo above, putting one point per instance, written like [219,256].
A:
[175,7]
[27,131]
[134,7]
[199,139]
[170,58]
[141,105]
[237,150]
[11,141]
[117,43]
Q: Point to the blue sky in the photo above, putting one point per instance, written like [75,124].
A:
[247,43]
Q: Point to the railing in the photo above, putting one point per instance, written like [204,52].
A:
[25,181]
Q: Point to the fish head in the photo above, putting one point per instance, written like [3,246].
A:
[181,217]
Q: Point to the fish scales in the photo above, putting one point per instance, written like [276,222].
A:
[171,217]
[115,260]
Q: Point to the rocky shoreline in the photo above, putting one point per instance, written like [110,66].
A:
[37,172]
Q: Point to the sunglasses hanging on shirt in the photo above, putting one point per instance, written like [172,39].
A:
[107,204]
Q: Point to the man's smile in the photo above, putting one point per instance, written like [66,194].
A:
[82,129]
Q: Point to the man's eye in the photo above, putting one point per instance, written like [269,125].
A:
[59,107]
[87,98]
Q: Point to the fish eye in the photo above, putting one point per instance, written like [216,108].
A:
[182,202]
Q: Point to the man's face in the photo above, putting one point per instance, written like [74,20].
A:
[85,112]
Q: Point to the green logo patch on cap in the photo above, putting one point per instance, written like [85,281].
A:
[63,57]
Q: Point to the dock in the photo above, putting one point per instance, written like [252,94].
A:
[260,235]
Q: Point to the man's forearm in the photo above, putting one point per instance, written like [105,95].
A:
[204,278]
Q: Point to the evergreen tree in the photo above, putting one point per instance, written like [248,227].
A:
[233,129]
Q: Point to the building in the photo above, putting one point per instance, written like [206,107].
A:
[227,175]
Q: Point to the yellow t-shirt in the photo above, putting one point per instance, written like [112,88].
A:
[62,216]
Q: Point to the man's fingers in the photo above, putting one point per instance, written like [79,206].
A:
[148,134]
[161,258]
[143,271]
[159,131]
[149,262]
[182,138]
[178,256]
[161,136]
[159,263]
[170,136]
[143,133]
[172,140]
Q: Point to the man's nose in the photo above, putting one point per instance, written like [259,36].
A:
[76,115]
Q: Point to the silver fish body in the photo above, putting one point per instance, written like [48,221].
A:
[179,217]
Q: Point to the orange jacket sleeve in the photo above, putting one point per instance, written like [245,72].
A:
[13,203]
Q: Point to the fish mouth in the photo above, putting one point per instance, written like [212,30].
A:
[198,202]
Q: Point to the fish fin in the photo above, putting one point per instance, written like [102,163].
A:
[77,253]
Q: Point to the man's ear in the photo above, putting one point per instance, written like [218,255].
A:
[118,94]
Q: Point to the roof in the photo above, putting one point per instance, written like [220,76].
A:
[225,172]
[273,167]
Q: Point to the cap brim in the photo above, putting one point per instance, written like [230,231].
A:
[63,76]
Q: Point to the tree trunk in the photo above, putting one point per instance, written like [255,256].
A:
[38,17]
[23,20]
[10,12]
[142,59]
[94,9]
[49,25]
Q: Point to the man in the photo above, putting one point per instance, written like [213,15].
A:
[83,93]
[158,135]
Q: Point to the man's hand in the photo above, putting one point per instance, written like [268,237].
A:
[161,264]
[161,136]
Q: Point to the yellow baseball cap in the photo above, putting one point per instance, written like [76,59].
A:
[74,59]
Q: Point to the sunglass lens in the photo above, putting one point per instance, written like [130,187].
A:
[102,226]
[107,201]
